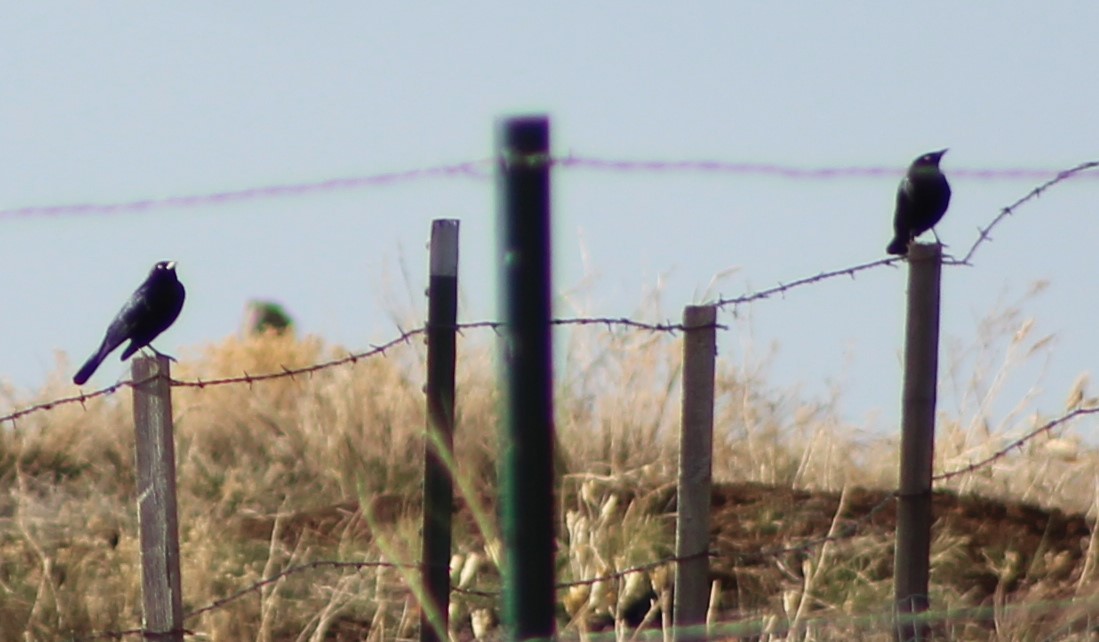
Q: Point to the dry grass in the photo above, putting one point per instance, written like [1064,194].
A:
[327,467]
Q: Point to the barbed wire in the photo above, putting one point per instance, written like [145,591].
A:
[355,357]
[790,172]
[983,236]
[247,590]
[1017,444]
[782,288]
[468,169]
[611,322]
[983,233]
[481,169]
[246,378]
[81,399]
[124,633]
[374,351]
[847,532]
[293,570]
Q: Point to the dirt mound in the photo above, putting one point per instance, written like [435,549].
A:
[763,536]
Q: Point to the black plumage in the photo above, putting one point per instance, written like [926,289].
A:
[151,309]
[922,199]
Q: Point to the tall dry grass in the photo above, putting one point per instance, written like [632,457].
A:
[327,466]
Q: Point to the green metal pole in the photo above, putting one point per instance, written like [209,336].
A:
[526,362]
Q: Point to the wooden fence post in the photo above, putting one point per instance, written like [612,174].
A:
[526,363]
[156,499]
[442,317]
[692,535]
[912,560]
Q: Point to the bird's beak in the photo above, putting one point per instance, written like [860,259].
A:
[939,154]
[171,265]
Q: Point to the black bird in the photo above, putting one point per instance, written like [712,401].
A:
[153,307]
[922,199]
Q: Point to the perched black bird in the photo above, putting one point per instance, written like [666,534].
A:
[922,199]
[151,309]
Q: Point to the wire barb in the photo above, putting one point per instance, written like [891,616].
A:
[1017,444]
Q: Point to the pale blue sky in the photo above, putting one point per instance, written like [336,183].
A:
[115,101]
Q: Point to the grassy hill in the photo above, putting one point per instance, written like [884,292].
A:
[293,474]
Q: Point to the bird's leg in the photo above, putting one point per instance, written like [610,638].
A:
[161,354]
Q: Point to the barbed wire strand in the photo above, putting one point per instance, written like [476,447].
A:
[481,168]
[468,169]
[293,570]
[782,288]
[848,531]
[983,234]
[81,399]
[789,172]
[378,350]
[373,351]
[1016,445]
[251,588]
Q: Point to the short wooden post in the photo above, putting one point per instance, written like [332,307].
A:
[442,317]
[156,499]
[912,562]
[692,541]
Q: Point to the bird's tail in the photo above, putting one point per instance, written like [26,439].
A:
[89,367]
[898,246]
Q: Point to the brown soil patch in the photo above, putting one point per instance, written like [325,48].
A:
[763,538]
[763,533]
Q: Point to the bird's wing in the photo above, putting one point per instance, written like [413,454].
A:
[902,215]
[126,321]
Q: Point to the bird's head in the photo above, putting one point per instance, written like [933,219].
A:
[930,159]
[165,266]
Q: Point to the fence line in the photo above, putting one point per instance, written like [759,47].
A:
[864,622]
[848,531]
[481,169]
[781,288]
[381,350]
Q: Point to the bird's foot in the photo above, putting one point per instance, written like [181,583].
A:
[161,354]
